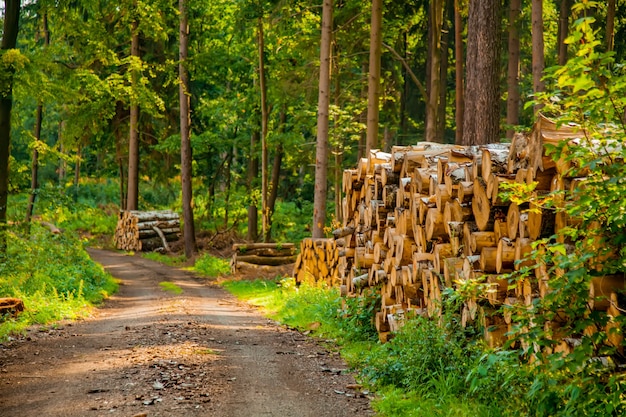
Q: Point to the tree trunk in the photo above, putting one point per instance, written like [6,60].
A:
[373,85]
[253,171]
[34,172]
[34,176]
[538,58]
[610,25]
[338,148]
[458,55]
[271,204]
[264,127]
[512,80]
[228,168]
[321,148]
[564,13]
[482,97]
[133,139]
[9,39]
[119,156]
[443,78]
[186,174]
[435,27]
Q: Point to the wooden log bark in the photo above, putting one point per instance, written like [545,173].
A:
[11,306]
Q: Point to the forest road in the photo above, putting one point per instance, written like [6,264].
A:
[149,352]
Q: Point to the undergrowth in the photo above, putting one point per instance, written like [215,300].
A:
[53,275]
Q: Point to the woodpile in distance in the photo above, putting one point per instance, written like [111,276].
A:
[317,261]
[427,217]
[146,230]
[10,307]
[272,254]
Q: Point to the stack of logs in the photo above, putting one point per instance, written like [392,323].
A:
[427,217]
[272,254]
[146,230]
[319,260]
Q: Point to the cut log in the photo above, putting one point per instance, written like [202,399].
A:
[11,306]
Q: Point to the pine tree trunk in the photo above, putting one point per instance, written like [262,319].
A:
[253,171]
[564,12]
[133,140]
[264,127]
[610,25]
[512,81]
[460,88]
[436,24]
[34,176]
[482,97]
[373,85]
[9,39]
[321,149]
[189,234]
[538,59]
[34,171]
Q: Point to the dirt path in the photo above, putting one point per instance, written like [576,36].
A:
[148,352]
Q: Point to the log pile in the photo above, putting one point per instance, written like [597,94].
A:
[272,254]
[11,307]
[146,230]
[318,261]
[427,217]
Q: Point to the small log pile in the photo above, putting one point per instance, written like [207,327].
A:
[146,230]
[11,307]
[272,254]
[318,260]
[427,217]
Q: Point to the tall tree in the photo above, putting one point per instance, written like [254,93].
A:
[512,79]
[9,41]
[264,127]
[458,69]
[373,85]
[538,58]
[189,234]
[610,25]
[321,149]
[253,172]
[132,190]
[564,12]
[34,175]
[481,121]
[434,84]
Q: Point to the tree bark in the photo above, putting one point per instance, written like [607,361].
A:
[460,88]
[373,85]
[610,25]
[271,204]
[119,156]
[564,12]
[264,127]
[512,80]
[186,174]
[9,40]
[34,175]
[253,171]
[482,97]
[34,171]
[538,59]
[133,140]
[443,78]
[432,110]
[321,149]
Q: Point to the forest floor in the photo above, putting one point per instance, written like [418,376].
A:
[150,352]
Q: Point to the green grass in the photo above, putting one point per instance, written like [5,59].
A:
[53,275]
[170,287]
[211,266]
[165,259]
